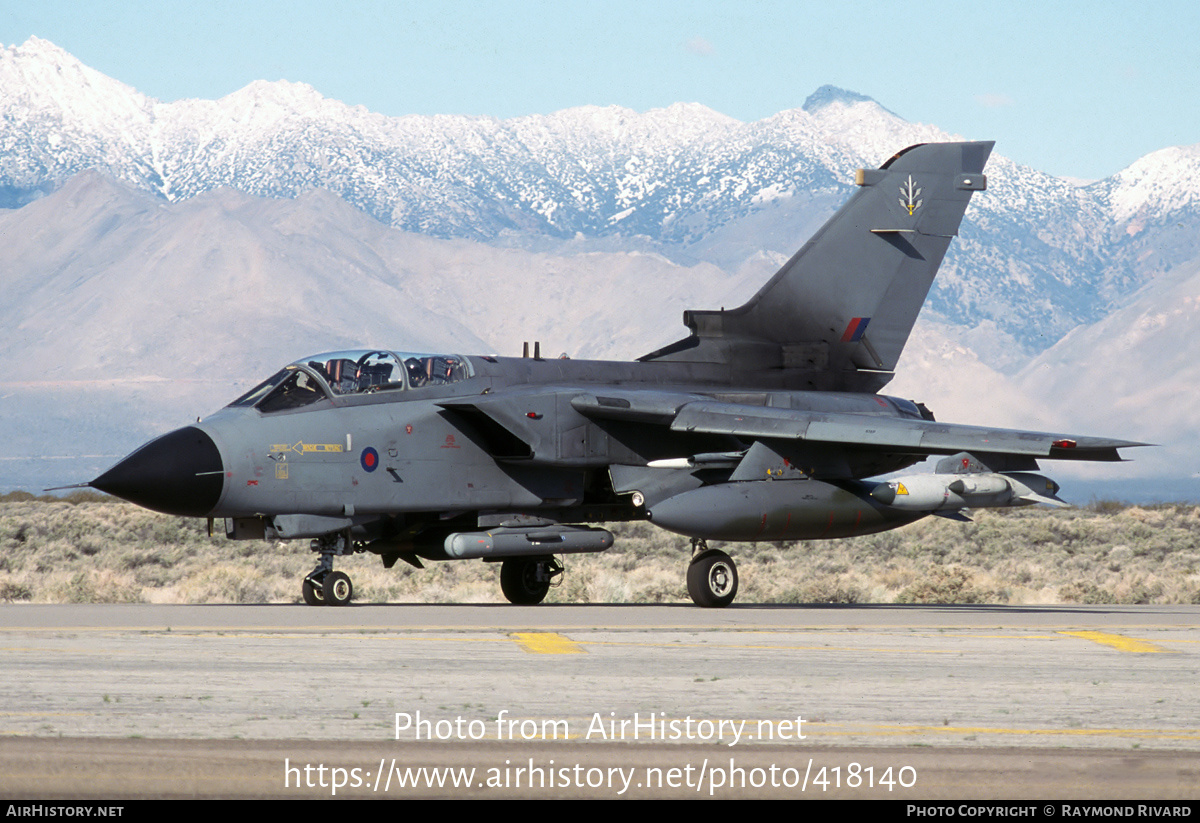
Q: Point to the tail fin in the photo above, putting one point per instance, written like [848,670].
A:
[838,314]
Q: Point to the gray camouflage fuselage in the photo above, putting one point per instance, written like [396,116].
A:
[507,439]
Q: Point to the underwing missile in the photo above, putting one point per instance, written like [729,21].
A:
[951,492]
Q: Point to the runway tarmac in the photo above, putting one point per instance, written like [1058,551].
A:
[1085,702]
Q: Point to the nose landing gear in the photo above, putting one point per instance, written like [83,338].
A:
[323,586]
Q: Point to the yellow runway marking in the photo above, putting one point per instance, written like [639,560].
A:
[547,643]
[1118,641]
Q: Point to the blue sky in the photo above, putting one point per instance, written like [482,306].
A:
[1073,88]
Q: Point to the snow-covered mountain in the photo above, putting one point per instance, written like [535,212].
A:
[683,181]
[133,287]
[222,238]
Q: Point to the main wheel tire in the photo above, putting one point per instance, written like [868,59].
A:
[712,579]
[337,589]
[519,581]
[312,593]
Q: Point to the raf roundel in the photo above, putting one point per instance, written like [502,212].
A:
[369,459]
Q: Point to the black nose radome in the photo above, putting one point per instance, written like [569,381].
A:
[179,473]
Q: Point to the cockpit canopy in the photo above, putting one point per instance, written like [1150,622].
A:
[343,373]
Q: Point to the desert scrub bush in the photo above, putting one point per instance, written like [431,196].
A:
[92,586]
[99,550]
[821,591]
[14,590]
[648,540]
[945,585]
[882,546]
[1086,593]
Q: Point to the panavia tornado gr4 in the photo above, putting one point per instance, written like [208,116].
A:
[763,423]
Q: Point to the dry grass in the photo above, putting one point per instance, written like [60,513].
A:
[89,549]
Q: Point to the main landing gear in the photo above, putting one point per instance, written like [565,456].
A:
[323,586]
[712,577]
[526,580]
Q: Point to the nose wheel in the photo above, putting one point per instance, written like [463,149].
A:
[323,586]
[330,589]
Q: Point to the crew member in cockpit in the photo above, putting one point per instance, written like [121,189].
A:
[416,372]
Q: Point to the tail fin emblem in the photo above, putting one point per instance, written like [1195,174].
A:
[909,196]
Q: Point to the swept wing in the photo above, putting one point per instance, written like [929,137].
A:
[882,432]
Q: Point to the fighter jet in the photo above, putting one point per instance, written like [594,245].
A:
[764,423]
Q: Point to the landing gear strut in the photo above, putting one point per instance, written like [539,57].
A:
[712,577]
[323,586]
[526,580]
